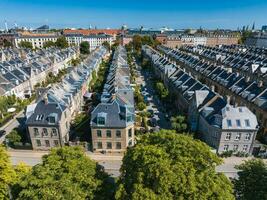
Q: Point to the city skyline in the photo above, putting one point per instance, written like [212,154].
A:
[151,14]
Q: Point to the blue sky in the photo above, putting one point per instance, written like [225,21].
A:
[149,13]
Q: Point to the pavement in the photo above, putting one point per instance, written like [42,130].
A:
[17,121]
[112,163]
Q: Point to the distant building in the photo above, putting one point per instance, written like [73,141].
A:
[10,37]
[176,41]
[36,39]
[112,121]
[257,41]
[126,39]
[264,28]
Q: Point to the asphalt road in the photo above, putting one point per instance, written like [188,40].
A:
[112,163]
[154,102]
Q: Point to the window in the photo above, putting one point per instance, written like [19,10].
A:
[129,118]
[45,133]
[248,136]
[227,109]
[99,133]
[67,125]
[56,142]
[130,132]
[228,136]
[101,121]
[38,142]
[108,132]
[36,132]
[247,122]
[47,143]
[245,147]
[238,136]
[99,145]
[109,145]
[118,133]
[229,123]
[238,123]
[240,109]
[226,147]
[118,145]
[54,132]
[235,147]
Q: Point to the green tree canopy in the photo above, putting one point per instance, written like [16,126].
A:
[84,47]
[7,43]
[7,174]
[48,44]
[166,165]
[161,90]
[252,181]
[25,44]
[62,42]
[178,123]
[13,137]
[107,45]
[66,173]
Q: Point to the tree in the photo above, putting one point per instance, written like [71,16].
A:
[25,44]
[7,174]
[84,47]
[162,91]
[13,137]
[7,43]
[141,106]
[107,45]
[137,42]
[49,44]
[61,42]
[252,181]
[178,123]
[65,173]
[166,165]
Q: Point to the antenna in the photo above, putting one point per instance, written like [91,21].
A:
[16,26]
[6,26]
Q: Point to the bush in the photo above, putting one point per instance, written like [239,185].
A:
[141,106]
[226,154]
[13,137]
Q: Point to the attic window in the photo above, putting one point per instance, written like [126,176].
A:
[229,123]
[247,122]
[238,123]
[240,110]
[101,120]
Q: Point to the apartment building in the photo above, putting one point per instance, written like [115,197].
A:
[176,41]
[209,113]
[112,121]
[22,69]
[48,120]
[36,39]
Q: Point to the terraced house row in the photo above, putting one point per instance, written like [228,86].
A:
[221,125]
[48,120]
[250,62]
[241,90]
[112,121]
[22,69]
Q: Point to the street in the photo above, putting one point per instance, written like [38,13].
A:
[112,163]
[155,105]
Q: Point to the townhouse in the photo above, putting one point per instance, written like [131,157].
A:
[242,90]
[21,70]
[48,120]
[112,121]
[221,125]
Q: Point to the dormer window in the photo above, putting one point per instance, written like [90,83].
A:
[229,123]
[101,118]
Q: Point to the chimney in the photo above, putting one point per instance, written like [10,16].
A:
[45,99]
[228,99]
[212,88]
[260,83]
[247,79]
